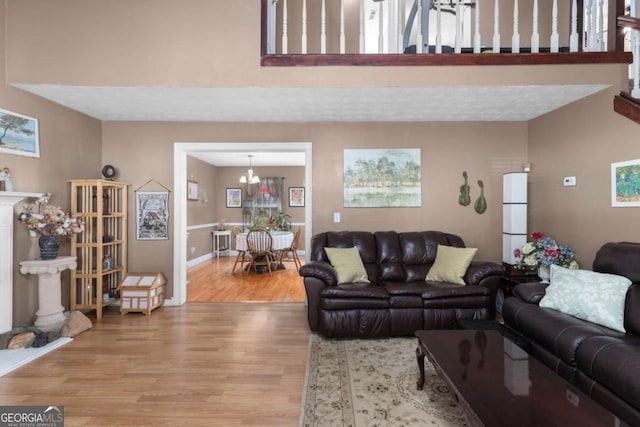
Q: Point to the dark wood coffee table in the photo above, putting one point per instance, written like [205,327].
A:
[499,384]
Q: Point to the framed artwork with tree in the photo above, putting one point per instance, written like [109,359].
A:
[19,134]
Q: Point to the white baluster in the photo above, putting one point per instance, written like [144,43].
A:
[535,35]
[419,43]
[285,29]
[515,39]
[401,9]
[342,37]
[439,29]
[592,40]
[635,42]
[362,26]
[573,38]
[304,26]
[635,48]
[458,45]
[380,27]
[477,43]
[323,28]
[496,26]
[600,26]
[555,38]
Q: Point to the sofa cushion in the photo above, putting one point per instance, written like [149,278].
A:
[348,265]
[587,295]
[560,334]
[451,264]
[614,363]
[352,290]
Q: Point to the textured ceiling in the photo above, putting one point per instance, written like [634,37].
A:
[373,104]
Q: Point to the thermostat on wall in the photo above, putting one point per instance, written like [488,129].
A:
[569,181]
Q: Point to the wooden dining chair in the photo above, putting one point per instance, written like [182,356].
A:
[260,247]
[242,257]
[290,254]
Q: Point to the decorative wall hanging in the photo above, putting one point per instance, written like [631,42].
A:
[19,134]
[382,178]
[625,183]
[481,203]
[464,198]
[152,214]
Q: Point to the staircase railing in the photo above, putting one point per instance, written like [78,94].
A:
[628,103]
[441,26]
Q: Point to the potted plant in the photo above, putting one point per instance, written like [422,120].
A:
[280,222]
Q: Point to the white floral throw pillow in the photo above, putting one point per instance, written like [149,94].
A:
[587,295]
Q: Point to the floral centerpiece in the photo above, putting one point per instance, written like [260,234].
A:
[43,219]
[543,251]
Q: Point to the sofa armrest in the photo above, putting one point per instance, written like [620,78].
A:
[530,292]
[489,275]
[478,271]
[317,276]
[320,270]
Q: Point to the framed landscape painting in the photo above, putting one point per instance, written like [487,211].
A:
[625,183]
[19,134]
[382,178]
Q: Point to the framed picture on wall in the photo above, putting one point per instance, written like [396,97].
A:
[192,190]
[625,182]
[234,197]
[296,197]
[19,134]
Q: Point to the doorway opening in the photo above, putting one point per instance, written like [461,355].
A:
[181,150]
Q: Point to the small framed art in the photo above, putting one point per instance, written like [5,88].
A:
[192,190]
[296,197]
[234,197]
[625,182]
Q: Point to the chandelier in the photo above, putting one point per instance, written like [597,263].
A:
[250,178]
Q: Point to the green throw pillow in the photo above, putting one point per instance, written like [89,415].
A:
[451,264]
[348,265]
[587,295]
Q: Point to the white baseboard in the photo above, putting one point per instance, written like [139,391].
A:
[200,259]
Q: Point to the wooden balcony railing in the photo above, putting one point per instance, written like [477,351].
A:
[453,32]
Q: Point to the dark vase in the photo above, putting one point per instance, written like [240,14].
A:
[49,246]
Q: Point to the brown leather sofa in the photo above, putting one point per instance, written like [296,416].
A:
[604,363]
[398,301]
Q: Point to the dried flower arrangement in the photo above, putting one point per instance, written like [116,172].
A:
[43,219]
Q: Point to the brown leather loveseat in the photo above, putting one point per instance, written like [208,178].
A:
[397,301]
[603,362]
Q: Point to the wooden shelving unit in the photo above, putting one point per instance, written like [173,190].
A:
[101,249]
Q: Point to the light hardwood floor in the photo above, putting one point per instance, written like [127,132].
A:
[201,364]
[212,280]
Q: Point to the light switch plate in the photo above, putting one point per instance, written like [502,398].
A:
[336,217]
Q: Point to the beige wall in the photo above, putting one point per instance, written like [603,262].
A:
[69,149]
[204,43]
[581,140]
[484,150]
[202,212]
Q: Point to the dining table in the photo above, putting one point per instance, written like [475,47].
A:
[280,240]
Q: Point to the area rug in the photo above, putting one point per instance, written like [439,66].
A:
[13,359]
[372,383]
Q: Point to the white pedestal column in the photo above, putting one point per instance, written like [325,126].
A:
[49,316]
[7,200]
